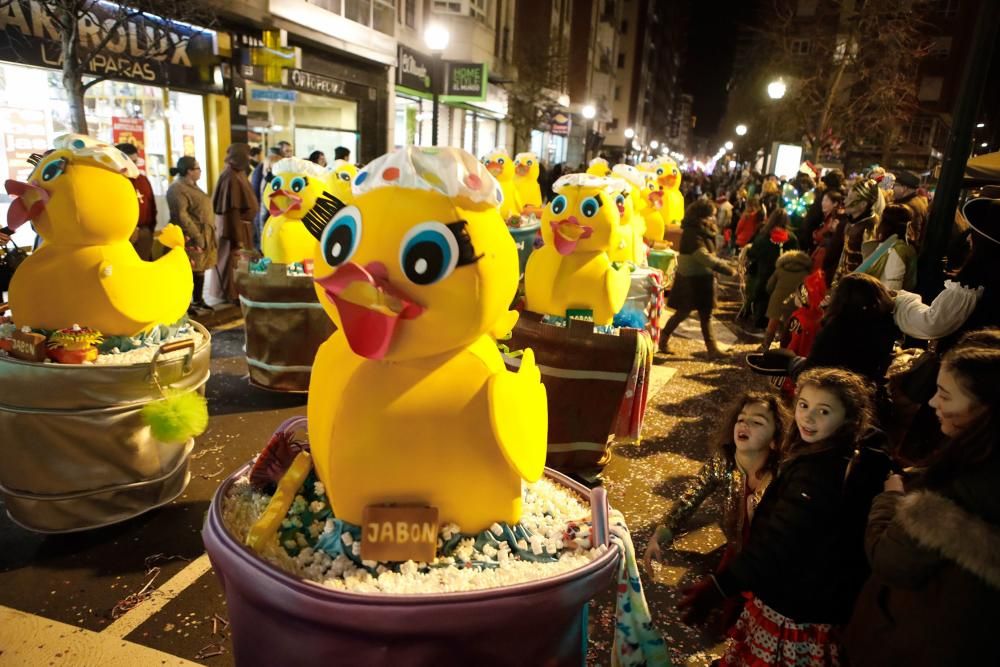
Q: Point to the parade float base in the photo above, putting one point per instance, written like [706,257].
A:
[473,607]
[77,453]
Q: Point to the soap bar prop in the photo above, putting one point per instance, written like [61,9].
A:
[399,533]
[28,346]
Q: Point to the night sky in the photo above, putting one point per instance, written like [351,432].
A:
[709,59]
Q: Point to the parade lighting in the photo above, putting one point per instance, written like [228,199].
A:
[629,133]
[436,37]
[588,111]
[776,89]
[729,145]
[741,129]
[654,144]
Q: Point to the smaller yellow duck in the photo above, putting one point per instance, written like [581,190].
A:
[409,401]
[526,172]
[84,207]
[299,188]
[572,271]
[499,164]
[635,205]
[668,175]
[598,167]
[343,175]
[652,212]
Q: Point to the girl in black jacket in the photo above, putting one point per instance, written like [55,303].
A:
[804,562]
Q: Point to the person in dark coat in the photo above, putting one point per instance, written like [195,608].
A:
[804,563]
[769,244]
[905,191]
[235,206]
[933,543]
[864,205]
[694,282]
[831,182]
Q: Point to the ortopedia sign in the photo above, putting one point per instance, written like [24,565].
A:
[315,83]
[143,47]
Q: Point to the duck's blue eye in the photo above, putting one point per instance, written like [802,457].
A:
[276,183]
[659,172]
[558,205]
[53,170]
[298,183]
[500,161]
[344,176]
[341,237]
[620,201]
[428,253]
[590,206]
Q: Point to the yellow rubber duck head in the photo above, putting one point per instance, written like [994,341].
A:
[500,165]
[653,192]
[342,173]
[668,175]
[598,167]
[585,214]
[526,166]
[296,187]
[637,182]
[78,194]
[422,262]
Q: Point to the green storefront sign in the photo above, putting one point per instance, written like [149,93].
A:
[466,82]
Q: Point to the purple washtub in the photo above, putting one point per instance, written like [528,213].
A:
[279,619]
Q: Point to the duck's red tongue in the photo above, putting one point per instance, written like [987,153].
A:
[565,245]
[19,212]
[369,332]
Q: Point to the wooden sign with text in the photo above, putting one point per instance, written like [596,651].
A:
[28,346]
[399,533]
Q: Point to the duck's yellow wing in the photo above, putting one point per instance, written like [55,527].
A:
[519,417]
[618,283]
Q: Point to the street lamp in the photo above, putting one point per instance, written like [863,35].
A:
[629,133]
[728,145]
[654,144]
[588,112]
[436,38]
[776,89]
[980,125]
[741,129]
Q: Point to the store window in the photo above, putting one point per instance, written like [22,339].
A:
[413,122]
[309,122]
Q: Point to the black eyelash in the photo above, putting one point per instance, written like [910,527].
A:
[34,159]
[600,202]
[317,218]
[466,253]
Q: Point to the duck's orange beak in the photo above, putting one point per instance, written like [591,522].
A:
[30,202]
[567,233]
[494,167]
[370,307]
[522,170]
[283,201]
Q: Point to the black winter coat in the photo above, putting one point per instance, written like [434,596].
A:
[863,346]
[805,557]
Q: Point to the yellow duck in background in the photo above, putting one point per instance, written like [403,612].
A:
[410,401]
[526,172]
[499,164]
[668,176]
[572,271]
[598,167]
[343,175]
[86,272]
[634,206]
[652,211]
[299,188]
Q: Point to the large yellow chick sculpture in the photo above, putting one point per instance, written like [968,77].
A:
[635,205]
[668,175]
[572,271]
[652,212]
[501,166]
[86,272]
[299,188]
[410,402]
[526,172]
[343,175]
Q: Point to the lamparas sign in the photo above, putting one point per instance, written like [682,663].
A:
[142,47]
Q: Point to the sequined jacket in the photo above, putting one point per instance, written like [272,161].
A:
[718,472]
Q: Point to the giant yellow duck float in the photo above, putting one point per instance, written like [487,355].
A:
[86,272]
[652,210]
[598,167]
[410,402]
[343,175]
[499,164]
[299,188]
[572,271]
[526,170]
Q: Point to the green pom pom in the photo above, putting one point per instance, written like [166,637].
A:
[177,417]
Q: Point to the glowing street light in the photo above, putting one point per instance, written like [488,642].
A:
[436,37]
[564,100]
[654,144]
[728,145]
[980,125]
[589,112]
[741,129]
[776,89]
[629,133]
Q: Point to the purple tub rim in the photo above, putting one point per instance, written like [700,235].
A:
[215,530]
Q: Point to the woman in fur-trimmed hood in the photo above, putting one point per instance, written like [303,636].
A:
[934,594]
